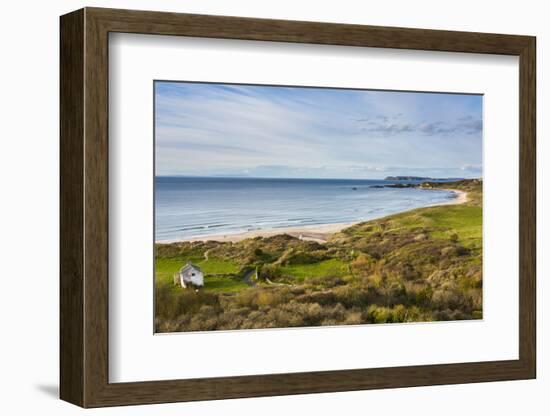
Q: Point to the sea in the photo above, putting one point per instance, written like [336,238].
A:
[190,207]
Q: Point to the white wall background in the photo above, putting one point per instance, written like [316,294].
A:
[29,210]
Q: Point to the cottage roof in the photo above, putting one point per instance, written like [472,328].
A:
[190,265]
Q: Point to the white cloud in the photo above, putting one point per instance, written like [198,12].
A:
[218,129]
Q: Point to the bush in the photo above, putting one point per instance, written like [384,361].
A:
[268,271]
[172,302]
[448,297]
[260,297]
[353,318]
[363,264]
[351,296]
[379,314]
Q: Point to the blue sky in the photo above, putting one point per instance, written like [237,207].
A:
[264,131]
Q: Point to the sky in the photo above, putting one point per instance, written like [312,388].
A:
[206,129]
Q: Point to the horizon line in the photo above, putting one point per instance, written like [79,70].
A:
[296,177]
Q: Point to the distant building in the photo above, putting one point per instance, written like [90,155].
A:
[190,274]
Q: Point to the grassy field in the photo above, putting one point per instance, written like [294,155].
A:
[322,269]
[216,284]
[420,265]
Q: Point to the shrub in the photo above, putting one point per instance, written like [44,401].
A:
[350,296]
[399,313]
[363,264]
[353,318]
[477,315]
[171,302]
[322,298]
[379,314]
[447,297]
[268,298]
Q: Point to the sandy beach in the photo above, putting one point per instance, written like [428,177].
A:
[319,232]
[461,197]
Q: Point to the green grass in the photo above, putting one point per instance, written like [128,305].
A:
[218,284]
[325,268]
[464,220]
[217,266]
[441,222]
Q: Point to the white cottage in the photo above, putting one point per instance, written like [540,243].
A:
[189,274]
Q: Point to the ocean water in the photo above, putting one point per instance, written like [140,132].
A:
[188,207]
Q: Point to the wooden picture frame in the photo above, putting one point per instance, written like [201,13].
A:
[84,207]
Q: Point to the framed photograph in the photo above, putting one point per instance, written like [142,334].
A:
[255,207]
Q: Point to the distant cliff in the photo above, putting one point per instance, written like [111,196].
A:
[419,178]
[407,178]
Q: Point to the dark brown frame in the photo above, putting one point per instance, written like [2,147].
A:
[84,207]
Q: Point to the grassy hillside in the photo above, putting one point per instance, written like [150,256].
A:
[421,265]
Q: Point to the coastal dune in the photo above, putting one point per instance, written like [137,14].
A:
[319,232]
